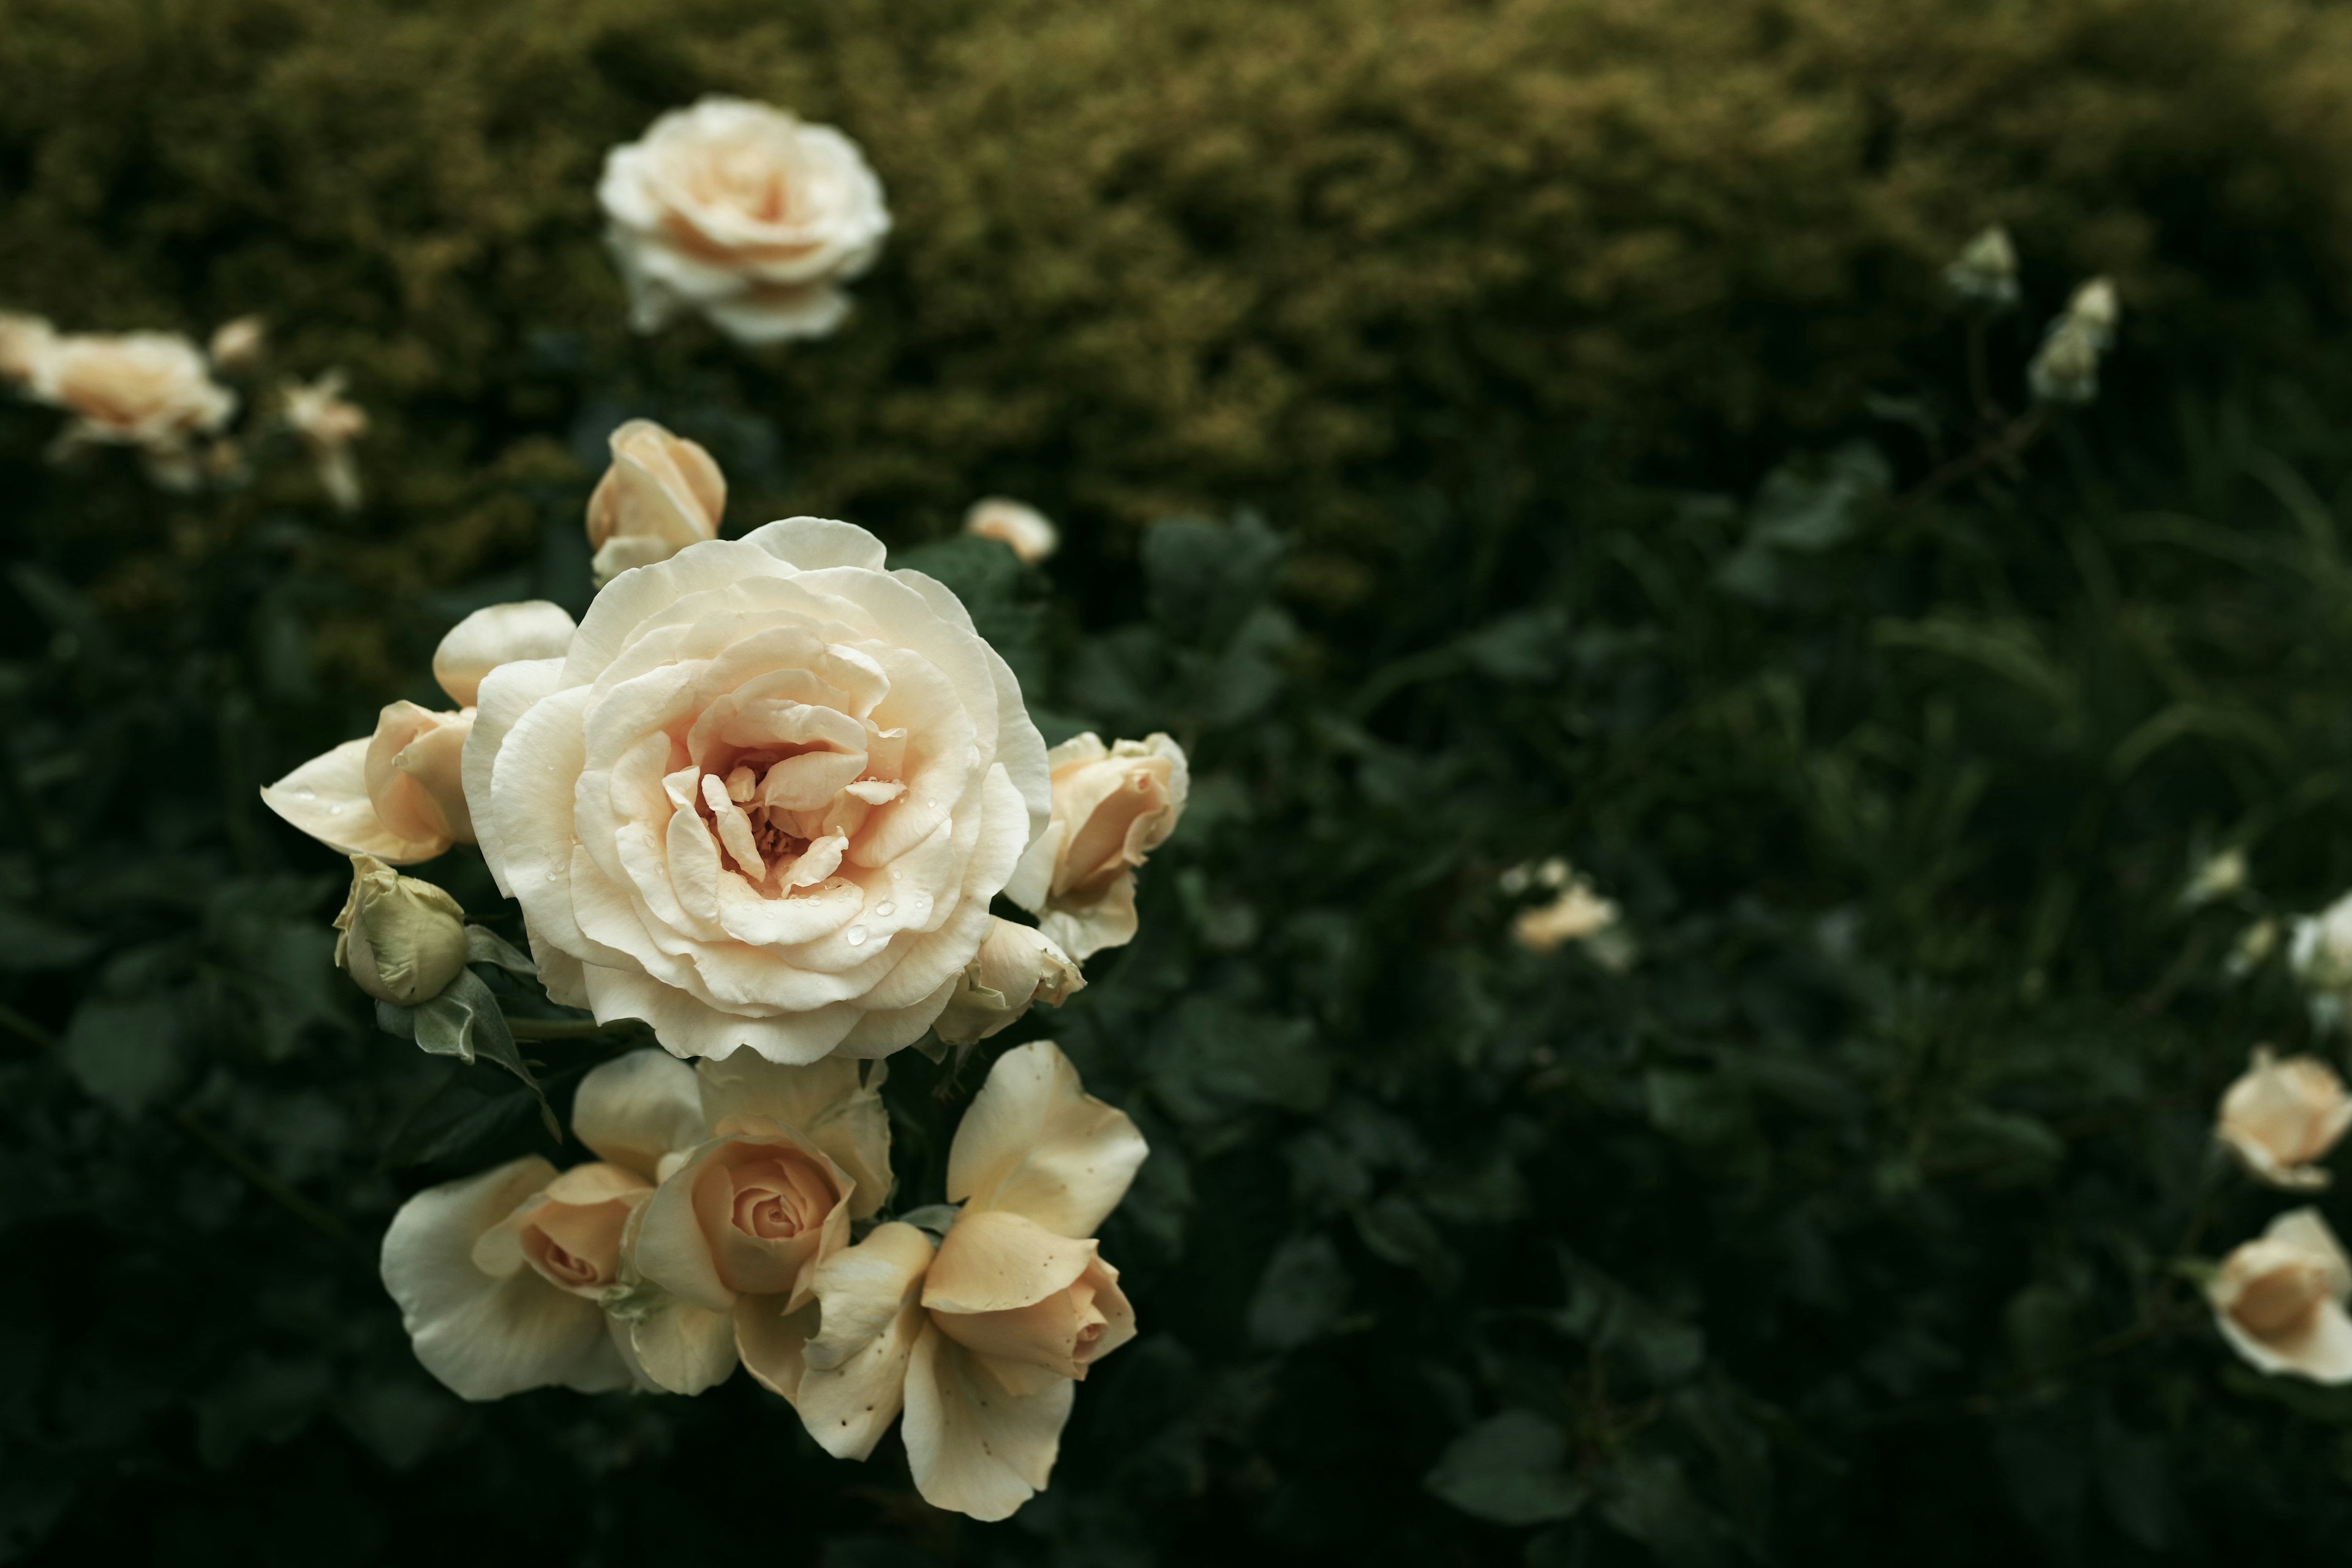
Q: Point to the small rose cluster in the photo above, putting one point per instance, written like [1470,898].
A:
[163,396]
[735,1215]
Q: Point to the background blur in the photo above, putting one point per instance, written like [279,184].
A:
[1481,430]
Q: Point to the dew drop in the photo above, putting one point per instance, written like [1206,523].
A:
[334,811]
[553,875]
[885,908]
[306,795]
[856,936]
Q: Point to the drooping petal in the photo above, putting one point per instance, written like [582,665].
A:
[982,1435]
[1034,1142]
[637,1107]
[855,1378]
[327,797]
[487,1335]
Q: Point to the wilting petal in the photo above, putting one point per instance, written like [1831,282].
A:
[635,1108]
[327,797]
[1035,1143]
[982,1435]
[497,634]
[855,1373]
[486,1335]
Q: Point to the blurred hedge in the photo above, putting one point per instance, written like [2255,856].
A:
[1152,255]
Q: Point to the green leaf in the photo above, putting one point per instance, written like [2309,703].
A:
[126,1054]
[465,1021]
[1509,1468]
[1301,1294]
[484,945]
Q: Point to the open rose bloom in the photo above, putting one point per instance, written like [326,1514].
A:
[2280,1300]
[153,392]
[714,1228]
[743,213]
[764,798]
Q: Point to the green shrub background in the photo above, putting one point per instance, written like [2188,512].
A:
[1558,382]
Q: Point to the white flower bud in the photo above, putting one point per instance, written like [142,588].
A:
[1015,966]
[2066,369]
[2320,951]
[1022,528]
[403,941]
[1986,269]
[238,343]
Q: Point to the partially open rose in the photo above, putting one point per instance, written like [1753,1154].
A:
[501,1276]
[742,212]
[1112,806]
[151,391]
[983,1341]
[764,800]
[399,795]
[662,493]
[2280,1119]
[2280,1300]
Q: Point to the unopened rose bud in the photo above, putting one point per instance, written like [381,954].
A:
[1023,529]
[1576,915]
[238,343]
[2066,368]
[2280,1119]
[2320,951]
[1986,269]
[2217,877]
[2280,1300]
[662,493]
[496,635]
[403,940]
[1112,806]
[2098,308]
[1017,965]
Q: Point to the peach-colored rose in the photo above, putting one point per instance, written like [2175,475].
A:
[1112,806]
[728,1246]
[23,340]
[764,800]
[2280,1118]
[150,390]
[740,211]
[400,794]
[328,422]
[1017,965]
[662,493]
[983,1343]
[1023,529]
[2280,1300]
[501,1278]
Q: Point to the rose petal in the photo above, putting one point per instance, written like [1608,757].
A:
[637,1107]
[1035,1143]
[982,1435]
[327,797]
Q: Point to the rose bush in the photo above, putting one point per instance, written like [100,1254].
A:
[764,799]
[743,213]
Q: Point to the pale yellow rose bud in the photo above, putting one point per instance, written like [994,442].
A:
[2280,1300]
[662,493]
[1577,914]
[1985,268]
[2097,308]
[2066,368]
[2283,1116]
[238,343]
[1015,966]
[2320,949]
[403,940]
[1023,529]
[497,634]
[1112,806]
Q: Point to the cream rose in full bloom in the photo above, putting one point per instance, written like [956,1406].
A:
[746,214]
[150,390]
[764,800]
[662,493]
[2280,1300]
[1112,806]
[983,1341]
[399,793]
[2280,1118]
[502,1277]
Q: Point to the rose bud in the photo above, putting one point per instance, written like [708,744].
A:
[662,493]
[1023,529]
[2281,1117]
[1112,806]
[1015,966]
[238,343]
[403,940]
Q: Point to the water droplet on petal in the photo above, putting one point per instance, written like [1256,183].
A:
[553,875]
[334,811]
[856,936]
[306,795]
[885,908]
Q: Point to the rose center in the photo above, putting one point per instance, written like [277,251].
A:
[2279,1301]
